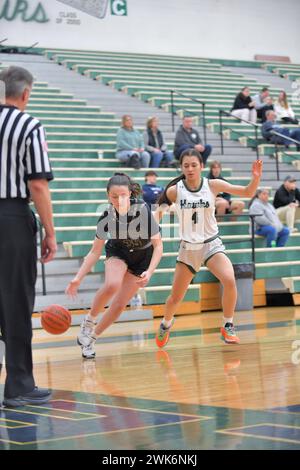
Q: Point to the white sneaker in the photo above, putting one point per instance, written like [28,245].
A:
[86,329]
[88,347]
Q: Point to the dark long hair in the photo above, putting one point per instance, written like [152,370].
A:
[163,199]
[121,179]
[212,165]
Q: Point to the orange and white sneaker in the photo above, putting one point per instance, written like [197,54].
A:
[228,334]
[163,334]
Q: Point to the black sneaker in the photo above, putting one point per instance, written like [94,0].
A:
[38,396]
[135,162]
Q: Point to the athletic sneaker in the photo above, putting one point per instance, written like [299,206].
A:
[38,396]
[87,344]
[228,334]
[162,337]
[86,329]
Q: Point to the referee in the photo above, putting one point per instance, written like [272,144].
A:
[24,174]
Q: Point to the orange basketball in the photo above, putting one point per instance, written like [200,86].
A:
[56,319]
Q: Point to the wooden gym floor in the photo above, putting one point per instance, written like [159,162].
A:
[197,393]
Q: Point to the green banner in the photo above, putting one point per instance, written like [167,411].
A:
[118,7]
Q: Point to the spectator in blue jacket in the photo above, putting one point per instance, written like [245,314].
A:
[271,125]
[130,145]
[151,191]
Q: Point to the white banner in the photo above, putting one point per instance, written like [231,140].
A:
[232,29]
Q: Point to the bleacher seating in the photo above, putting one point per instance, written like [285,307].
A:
[77,132]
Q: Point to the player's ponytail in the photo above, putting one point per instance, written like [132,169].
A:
[163,199]
[186,153]
[121,179]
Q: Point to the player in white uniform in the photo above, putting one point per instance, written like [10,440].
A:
[194,198]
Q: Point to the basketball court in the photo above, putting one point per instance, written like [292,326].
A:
[197,393]
[116,87]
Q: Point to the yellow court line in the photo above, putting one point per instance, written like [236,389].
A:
[18,422]
[66,411]
[14,427]
[283,426]
[255,436]
[58,417]
[260,424]
[99,433]
[232,432]
[139,409]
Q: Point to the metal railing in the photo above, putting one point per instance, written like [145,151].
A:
[250,240]
[282,136]
[173,114]
[222,126]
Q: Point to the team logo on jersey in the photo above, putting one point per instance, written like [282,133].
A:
[184,204]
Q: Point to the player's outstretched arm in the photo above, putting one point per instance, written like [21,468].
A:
[220,186]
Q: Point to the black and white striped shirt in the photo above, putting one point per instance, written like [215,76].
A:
[23,153]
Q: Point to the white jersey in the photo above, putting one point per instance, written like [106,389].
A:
[196,212]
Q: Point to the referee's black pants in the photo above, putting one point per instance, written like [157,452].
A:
[18,271]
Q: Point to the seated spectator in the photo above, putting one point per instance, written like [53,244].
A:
[286,202]
[271,125]
[267,223]
[155,145]
[284,111]
[151,191]
[188,138]
[263,103]
[224,203]
[130,145]
[243,106]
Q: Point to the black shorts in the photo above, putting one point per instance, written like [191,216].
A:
[137,261]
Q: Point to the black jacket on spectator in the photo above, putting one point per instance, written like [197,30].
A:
[241,101]
[283,197]
[151,138]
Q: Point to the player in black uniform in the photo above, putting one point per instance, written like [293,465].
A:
[133,250]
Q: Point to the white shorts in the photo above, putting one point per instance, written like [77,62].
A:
[194,255]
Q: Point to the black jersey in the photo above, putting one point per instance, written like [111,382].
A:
[132,231]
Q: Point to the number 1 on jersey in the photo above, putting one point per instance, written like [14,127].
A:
[195,217]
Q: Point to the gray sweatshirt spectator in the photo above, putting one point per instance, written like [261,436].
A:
[188,138]
[268,217]
[267,223]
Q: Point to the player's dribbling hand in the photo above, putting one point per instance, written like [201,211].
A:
[257,168]
[144,279]
[72,288]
